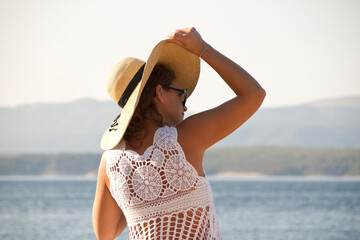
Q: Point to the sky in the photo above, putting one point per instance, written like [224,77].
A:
[299,50]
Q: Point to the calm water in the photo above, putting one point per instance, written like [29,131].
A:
[270,208]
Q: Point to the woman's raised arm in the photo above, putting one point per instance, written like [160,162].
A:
[202,130]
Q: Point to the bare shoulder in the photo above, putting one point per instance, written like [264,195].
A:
[193,154]
[206,128]
[200,131]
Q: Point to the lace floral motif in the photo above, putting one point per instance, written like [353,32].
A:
[160,192]
[147,182]
[178,174]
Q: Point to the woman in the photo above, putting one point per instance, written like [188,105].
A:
[151,176]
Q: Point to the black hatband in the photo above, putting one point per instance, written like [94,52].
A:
[131,87]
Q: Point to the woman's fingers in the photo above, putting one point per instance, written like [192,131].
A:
[183,31]
[189,39]
[180,33]
[177,36]
[175,39]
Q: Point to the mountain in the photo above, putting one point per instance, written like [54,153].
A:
[325,123]
[78,126]
[67,127]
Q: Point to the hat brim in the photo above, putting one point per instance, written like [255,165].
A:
[186,67]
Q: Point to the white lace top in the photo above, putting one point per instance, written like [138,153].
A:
[160,192]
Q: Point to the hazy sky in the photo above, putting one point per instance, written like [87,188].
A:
[59,51]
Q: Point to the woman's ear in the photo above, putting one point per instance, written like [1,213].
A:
[159,91]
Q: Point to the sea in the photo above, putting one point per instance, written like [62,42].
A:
[281,208]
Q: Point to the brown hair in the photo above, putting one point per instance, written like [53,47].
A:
[136,130]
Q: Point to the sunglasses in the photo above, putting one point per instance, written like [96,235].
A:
[184,92]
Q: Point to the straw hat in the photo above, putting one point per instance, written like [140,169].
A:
[127,80]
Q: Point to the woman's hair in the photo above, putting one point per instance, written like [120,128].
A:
[136,130]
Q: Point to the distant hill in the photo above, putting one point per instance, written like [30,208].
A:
[47,128]
[78,126]
[325,123]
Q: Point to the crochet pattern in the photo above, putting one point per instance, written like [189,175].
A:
[160,192]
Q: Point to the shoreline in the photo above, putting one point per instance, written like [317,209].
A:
[258,175]
[228,175]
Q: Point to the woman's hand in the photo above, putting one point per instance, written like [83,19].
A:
[189,39]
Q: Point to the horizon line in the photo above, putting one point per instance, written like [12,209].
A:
[109,100]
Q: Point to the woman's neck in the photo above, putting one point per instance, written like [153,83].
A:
[140,145]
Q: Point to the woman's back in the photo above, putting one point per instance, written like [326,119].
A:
[160,192]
